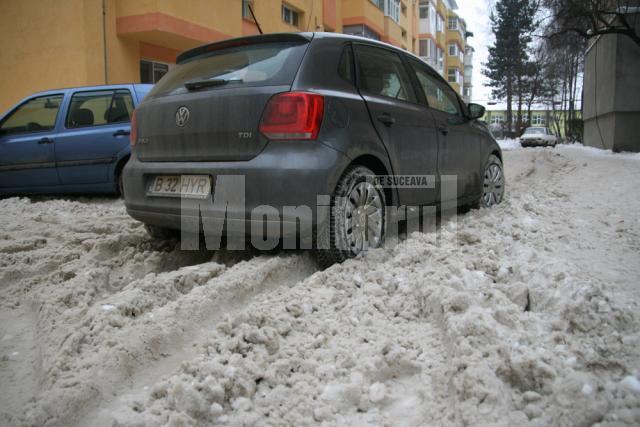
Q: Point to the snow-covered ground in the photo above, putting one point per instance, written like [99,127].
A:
[529,315]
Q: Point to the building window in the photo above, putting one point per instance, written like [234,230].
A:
[151,72]
[403,9]
[439,23]
[379,4]
[467,92]
[453,49]
[392,9]
[424,9]
[497,120]
[452,76]
[245,9]
[453,23]
[440,59]
[423,48]
[360,30]
[290,16]
[538,120]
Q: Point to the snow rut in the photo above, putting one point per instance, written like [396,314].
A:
[109,307]
[525,314]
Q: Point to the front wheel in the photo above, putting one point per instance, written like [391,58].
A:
[356,219]
[493,183]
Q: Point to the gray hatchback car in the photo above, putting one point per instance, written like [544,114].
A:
[305,120]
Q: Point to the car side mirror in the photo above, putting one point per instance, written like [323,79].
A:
[476,111]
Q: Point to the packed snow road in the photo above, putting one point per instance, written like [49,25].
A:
[525,314]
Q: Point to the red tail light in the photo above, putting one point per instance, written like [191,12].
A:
[133,135]
[293,115]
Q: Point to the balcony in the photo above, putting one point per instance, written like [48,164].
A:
[168,25]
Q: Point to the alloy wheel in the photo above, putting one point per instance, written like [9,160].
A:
[363,217]
[493,185]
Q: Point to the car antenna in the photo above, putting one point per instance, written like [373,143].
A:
[253,15]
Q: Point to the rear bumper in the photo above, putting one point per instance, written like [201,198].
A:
[535,143]
[283,175]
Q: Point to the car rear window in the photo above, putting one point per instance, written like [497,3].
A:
[535,131]
[264,64]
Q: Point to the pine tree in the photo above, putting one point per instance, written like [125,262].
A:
[512,23]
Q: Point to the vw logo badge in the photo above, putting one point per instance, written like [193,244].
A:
[182,116]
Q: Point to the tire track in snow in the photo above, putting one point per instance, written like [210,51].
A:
[179,337]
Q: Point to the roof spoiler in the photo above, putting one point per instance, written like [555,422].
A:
[243,41]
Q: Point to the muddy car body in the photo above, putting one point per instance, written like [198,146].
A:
[299,115]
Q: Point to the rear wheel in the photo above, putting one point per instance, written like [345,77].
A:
[356,219]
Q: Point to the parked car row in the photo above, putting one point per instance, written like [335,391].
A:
[297,115]
[72,140]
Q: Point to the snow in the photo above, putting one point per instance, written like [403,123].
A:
[527,316]
[509,144]
[632,382]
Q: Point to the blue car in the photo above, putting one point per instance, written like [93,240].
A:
[68,140]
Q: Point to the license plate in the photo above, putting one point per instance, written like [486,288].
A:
[191,186]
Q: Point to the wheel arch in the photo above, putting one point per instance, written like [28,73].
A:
[378,167]
[117,170]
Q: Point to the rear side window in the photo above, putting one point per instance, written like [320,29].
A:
[101,107]
[263,64]
[345,67]
[381,72]
[36,115]
[439,95]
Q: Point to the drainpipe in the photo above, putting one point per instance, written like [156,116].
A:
[104,41]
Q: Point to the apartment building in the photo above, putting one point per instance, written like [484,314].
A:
[442,39]
[90,42]
[467,88]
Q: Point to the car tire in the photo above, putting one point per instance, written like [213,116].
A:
[488,178]
[356,218]
[120,184]
[161,233]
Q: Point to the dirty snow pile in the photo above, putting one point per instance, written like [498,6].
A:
[509,144]
[525,314]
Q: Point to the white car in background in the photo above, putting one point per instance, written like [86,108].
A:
[538,136]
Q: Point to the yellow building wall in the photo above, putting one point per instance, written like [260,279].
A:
[45,46]
[56,43]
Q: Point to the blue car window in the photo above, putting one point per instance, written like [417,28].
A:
[100,107]
[36,115]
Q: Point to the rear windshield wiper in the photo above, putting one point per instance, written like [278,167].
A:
[201,84]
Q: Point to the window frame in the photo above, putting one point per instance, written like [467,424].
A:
[423,7]
[153,63]
[346,49]
[402,57]
[26,101]
[415,65]
[113,92]
[455,49]
[245,8]
[292,12]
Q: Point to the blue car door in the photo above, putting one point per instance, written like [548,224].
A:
[95,129]
[27,135]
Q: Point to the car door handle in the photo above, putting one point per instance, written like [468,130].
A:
[443,129]
[121,132]
[45,141]
[387,119]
